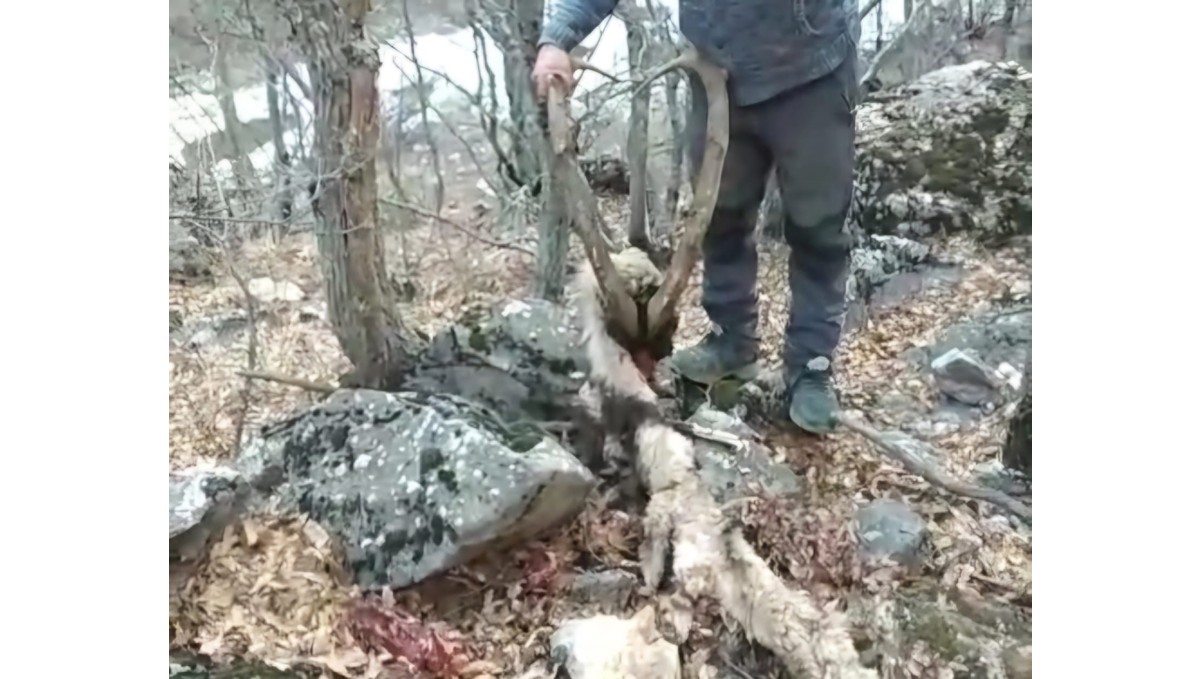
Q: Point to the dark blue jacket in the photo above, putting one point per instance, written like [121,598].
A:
[768,46]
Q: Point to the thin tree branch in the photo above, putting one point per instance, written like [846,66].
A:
[417,209]
[932,473]
[867,10]
[238,220]
[290,381]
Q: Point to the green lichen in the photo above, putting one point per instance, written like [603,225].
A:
[478,341]
[724,394]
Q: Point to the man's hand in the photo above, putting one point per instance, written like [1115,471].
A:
[552,63]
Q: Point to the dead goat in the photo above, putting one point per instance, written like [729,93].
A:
[628,310]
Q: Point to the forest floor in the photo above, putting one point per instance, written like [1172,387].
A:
[272,588]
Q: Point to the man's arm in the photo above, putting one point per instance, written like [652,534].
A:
[570,21]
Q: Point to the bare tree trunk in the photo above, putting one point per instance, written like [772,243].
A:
[1010,11]
[908,8]
[1018,445]
[665,49]
[553,240]
[243,171]
[515,26]
[879,24]
[344,63]
[283,159]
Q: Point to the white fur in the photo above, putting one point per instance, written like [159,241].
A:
[683,518]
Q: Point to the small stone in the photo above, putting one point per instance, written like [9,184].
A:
[267,289]
[965,378]
[610,589]
[888,529]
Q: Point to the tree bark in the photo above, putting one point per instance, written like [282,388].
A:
[1018,444]
[1010,12]
[515,26]
[243,170]
[553,240]
[283,160]
[344,63]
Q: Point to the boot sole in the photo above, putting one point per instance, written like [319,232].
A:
[744,374]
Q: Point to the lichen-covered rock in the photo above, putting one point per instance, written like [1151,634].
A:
[1002,338]
[950,151]
[523,359]
[873,263]
[933,629]
[414,484]
[731,473]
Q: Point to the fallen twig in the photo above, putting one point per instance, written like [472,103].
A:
[721,437]
[932,473]
[290,381]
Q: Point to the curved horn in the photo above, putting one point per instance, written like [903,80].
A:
[583,212]
[662,306]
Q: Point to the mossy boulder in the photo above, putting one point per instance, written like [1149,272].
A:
[949,152]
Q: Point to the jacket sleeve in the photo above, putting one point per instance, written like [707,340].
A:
[568,22]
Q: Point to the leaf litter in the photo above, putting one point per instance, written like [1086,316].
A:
[272,588]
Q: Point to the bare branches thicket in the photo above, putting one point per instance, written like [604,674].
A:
[440,185]
[515,25]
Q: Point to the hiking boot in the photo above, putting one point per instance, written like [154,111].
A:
[718,356]
[813,404]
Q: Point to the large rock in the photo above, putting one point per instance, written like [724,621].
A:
[414,484]
[523,359]
[950,151]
